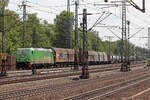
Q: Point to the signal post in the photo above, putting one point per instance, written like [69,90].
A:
[3,58]
[84,60]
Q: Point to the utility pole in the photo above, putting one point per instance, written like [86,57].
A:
[2,16]
[128,23]
[33,37]
[109,39]
[76,48]
[124,37]
[85,72]
[125,66]
[124,48]
[24,23]
[3,55]
[3,29]
[149,38]
[68,35]
[96,42]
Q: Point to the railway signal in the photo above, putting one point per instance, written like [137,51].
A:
[3,58]
[2,18]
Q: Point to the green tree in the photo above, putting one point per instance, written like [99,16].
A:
[39,34]
[3,3]
[49,30]
[13,31]
[33,27]
[61,28]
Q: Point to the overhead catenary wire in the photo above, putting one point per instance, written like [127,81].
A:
[44,10]
[42,6]
[104,18]
[136,32]
[137,17]
[88,3]
[113,33]
[100,20]
[118,17]
[97,21]
[50,6]
[96,8]
[32,7]
[19,9]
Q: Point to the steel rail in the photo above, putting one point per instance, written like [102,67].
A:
[101,93]
[20,93]
[11,80]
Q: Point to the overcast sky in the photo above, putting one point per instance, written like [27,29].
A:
[48,9]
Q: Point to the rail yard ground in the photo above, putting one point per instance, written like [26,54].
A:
[106,85]
[90,51]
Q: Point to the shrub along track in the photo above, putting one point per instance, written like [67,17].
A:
[27,78]
[73,88]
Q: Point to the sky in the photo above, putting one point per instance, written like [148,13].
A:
[48,9]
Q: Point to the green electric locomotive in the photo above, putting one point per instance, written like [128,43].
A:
[38,57]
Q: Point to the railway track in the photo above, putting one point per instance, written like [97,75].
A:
[59,69]
[12,80]
[27,78]
[21,93]
[101,93]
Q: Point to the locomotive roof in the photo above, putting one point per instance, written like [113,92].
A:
[42,49]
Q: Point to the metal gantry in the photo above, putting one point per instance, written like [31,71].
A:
[125,66]
[124,47]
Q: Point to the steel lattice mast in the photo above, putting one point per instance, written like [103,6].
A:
[85,72]
[76,48]
[124,46]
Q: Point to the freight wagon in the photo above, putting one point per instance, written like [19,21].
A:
[63,57]
[10,63]
[58,57]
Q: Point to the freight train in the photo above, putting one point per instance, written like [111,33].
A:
[26,58]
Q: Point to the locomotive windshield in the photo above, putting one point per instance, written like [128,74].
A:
[22,52]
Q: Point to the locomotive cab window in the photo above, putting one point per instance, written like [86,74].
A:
[20,52]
